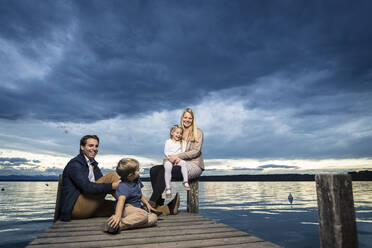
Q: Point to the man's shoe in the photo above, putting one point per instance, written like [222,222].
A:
[164,209]
[109,229]
[174,204]
[158,213]
[160,202]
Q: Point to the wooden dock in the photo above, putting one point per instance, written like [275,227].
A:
[181,230]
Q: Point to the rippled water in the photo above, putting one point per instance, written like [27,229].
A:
[259,208]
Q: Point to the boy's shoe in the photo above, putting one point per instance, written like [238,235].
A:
[186,186]
[109,229]
[174,204]
[168,193]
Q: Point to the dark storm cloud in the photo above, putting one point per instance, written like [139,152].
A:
[275,166]
[53,171]
[99,59]
[10,162]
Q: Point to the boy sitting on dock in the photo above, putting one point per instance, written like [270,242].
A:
[128,212]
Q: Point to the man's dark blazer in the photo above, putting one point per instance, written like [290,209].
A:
[75,182]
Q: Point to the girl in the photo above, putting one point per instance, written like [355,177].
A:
[173,146]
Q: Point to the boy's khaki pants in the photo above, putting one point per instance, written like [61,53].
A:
[87,206]
[134,217]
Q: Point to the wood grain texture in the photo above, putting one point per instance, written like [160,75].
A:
[176,231]
[336,212]
[193,197]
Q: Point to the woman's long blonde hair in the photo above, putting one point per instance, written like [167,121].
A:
[194,128]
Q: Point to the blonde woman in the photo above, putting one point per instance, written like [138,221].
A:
[192,156]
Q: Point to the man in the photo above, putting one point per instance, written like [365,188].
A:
[84,187]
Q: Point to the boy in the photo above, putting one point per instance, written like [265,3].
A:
[128,212]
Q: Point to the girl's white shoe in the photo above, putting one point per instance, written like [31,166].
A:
[186,185]
[168,193]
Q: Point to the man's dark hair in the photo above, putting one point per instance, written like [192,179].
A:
[83,140]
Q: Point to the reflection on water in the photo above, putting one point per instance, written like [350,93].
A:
[259,208]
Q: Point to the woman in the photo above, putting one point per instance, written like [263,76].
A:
[192,155]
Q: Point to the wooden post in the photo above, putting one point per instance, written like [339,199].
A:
[59,190]
[193,197]
[336,211]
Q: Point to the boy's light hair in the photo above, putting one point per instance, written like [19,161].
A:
[194,128]
[173,128]
[127,166]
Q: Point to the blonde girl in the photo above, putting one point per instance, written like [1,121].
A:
[173,146]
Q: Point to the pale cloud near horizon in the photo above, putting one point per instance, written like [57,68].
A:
[235,127]
[32,163]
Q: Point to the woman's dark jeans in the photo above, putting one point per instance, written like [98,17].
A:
[158,181]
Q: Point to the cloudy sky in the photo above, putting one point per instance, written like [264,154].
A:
[277,86]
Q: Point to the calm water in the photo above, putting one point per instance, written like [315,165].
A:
[259,208]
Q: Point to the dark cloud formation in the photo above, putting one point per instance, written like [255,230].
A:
[92,60]
[10,166]
[52,171]
[275,166]
[244,169]
[14,161]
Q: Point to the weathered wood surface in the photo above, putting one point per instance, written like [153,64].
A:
[336,211]
[174,231]
[193,197]
[59,192]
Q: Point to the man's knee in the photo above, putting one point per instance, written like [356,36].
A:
[110,177]
[113,175]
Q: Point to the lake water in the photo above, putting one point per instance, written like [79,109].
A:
[259,208]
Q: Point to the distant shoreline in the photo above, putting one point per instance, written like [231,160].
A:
[356,176]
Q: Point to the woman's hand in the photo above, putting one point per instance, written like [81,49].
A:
[173,158]
[114,221]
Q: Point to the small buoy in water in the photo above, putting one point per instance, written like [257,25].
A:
[290,198]
[46,184]
[2,189]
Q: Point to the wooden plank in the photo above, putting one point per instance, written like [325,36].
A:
[193,197]
[98,226]
[336,212]
[263,244]
[159,223]
[154,230]
[59,191]
[133,235]
[179,231]
[245,241]
[170,218]
[90,221]
[95,227]
[151,240]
